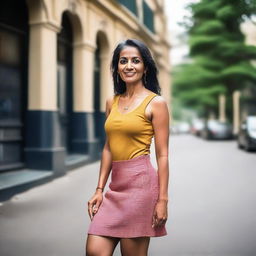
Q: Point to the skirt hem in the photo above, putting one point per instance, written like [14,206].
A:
[122,236]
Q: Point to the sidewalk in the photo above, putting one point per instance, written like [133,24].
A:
[17,181]
[47,218]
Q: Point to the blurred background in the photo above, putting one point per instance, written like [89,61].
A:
[213,70]
[54,81]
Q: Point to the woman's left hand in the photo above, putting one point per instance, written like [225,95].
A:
[160,214]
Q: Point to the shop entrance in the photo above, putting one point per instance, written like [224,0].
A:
[65,87]
[13,82]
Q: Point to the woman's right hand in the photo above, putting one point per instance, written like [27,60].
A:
[94,203]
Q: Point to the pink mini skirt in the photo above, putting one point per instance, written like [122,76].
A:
[127,207]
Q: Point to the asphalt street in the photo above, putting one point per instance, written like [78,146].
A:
[212,208]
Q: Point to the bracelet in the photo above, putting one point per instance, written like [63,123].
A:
[162,199]
[100,188]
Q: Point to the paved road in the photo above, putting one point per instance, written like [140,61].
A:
[212,210]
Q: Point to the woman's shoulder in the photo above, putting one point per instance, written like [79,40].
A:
[159,102]
[158,99]
[110,101]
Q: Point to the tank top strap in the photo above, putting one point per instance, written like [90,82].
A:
[146,101]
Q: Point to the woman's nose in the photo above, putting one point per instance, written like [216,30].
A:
[129,65]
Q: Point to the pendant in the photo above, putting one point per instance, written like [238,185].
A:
[125,108]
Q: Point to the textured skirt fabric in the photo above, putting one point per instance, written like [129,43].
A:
[127,207]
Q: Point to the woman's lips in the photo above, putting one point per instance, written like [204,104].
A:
[129,73]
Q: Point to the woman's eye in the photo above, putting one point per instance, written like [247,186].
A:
[136,61]
[122,61]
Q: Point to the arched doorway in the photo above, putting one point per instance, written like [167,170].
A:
[13,82]
[101,69]
[65,78]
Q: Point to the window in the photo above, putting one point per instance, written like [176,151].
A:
[130,4]
[148,17]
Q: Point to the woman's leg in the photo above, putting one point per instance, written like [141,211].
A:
[100,245]
[134,246]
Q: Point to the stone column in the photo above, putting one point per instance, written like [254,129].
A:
[222,105]
[43,67]
[83,77]
[43,149]
[236,112]
[83,124]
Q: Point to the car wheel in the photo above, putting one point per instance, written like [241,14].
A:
[239,145]
[204,135]
[247,147]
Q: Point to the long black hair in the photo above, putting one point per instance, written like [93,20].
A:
[150,80]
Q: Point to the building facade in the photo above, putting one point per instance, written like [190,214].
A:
[55,75]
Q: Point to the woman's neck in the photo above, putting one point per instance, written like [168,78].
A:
[134,89]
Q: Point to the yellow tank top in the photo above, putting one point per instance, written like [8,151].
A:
[129,134]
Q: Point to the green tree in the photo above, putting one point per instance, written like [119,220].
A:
[220,60]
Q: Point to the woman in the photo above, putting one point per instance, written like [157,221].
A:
[135,206]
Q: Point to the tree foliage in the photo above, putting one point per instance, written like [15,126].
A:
[220,60]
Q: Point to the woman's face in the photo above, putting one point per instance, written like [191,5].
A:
[130,65]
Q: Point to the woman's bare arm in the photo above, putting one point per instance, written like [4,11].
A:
[160,122]
[106,157]
[105,168]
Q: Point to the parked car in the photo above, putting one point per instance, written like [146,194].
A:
[183,127]
[214,129]
[246,137]
[197,126]
[180,128]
